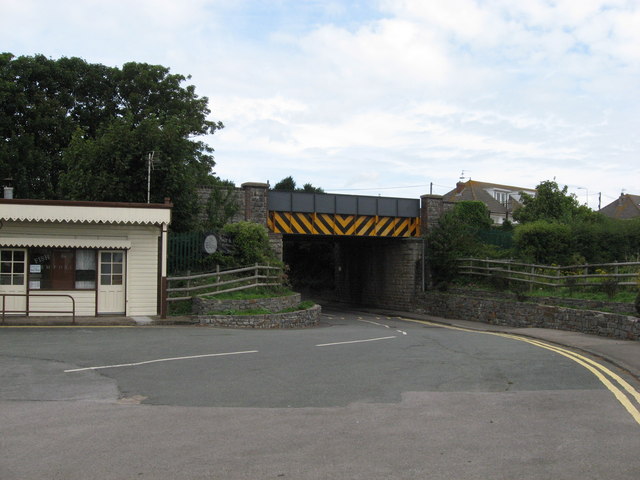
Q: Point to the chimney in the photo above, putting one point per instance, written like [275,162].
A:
[8,189]
[460,186]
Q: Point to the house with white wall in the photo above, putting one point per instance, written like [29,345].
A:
[83,258]
[501,200]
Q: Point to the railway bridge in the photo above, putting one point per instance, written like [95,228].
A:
[363,250]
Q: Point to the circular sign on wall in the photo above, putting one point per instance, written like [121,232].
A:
[210,244]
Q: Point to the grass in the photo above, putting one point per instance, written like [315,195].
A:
[625,294]
[253,294]
[306,305]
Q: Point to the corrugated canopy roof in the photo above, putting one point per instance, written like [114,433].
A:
[66,242]
[84,212]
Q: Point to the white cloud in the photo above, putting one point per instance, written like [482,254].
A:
[515,92]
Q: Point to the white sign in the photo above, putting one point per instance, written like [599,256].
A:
[35,268]
[210,244]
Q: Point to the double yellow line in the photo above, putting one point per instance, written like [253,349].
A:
[602,373]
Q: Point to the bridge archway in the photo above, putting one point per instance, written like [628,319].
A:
[356,270]
[358,249]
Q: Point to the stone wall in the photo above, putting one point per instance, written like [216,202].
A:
[251,199]
[525,314]
[298,319]
[252,202]
[432,207]
[202,306]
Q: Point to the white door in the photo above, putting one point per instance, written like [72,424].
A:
[111,282]
[13,281]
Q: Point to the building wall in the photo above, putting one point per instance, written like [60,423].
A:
[141,263]
[51,301]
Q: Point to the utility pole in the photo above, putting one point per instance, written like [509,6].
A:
[149,164]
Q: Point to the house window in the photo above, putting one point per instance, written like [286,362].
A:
[111,268]
[11,267]
[62,269]
[501,197]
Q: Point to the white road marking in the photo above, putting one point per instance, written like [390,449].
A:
[373,323]
[381,325]
[157,361]
[355,341]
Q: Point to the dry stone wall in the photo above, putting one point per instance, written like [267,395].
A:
[202,306]
[507,312]
[298,319]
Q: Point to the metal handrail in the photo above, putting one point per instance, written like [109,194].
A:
[27,311]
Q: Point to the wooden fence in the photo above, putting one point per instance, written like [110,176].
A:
[618,274]
[217,282]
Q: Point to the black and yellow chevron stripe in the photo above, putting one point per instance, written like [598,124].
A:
[333,224]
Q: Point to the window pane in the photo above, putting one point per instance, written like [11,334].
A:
[85,260]
[5,279]
[105,268]
[18,279]
[40,268]
[117,280]
[105,279]
[18,267]
[105,257]
[5,255]
[117,257]
[85,269]
[18,256]
[117,268]
[5,267]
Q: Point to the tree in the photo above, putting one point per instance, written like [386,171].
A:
[551,204]
[455,236]
[81,131]
[288,184]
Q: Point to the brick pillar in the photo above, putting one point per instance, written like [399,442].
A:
[432,207]
[256,197]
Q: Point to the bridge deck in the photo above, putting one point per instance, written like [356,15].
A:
[354,215]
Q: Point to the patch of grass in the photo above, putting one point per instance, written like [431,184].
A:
[183,307]
[307,304]
[621,295]
[253,293]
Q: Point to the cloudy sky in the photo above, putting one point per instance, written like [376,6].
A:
[383,97]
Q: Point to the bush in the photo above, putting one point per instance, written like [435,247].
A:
[544,242]
[250,243]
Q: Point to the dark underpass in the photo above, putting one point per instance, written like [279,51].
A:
[356,270]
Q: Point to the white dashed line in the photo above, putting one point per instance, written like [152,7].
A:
[157,361]
[355,341]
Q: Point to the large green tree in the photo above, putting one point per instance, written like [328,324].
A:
[551,203]
[288,184]
[74,130]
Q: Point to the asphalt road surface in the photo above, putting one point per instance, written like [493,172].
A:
[360,397]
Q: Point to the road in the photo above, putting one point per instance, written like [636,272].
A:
[360,397]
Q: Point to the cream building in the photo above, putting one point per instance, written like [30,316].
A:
[90,258]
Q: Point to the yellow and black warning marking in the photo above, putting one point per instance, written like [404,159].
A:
[334,224]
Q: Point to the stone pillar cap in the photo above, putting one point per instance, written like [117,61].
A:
[255,185]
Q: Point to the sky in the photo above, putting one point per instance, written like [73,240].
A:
[383,97]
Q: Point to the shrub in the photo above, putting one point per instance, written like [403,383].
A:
[544,242]
[250,245]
